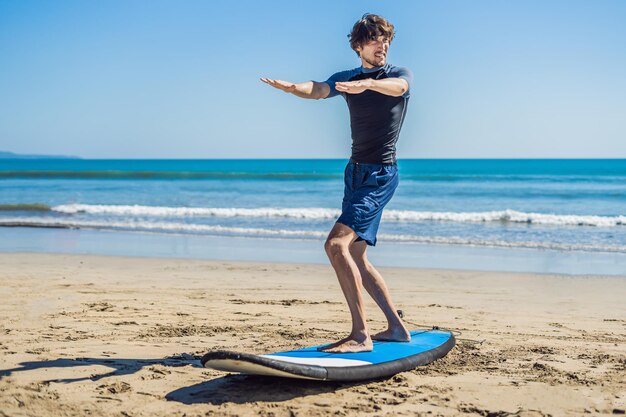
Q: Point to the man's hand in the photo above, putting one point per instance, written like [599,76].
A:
[353,87]
[285,86]
[307,89]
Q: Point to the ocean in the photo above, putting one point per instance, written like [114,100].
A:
[543,205]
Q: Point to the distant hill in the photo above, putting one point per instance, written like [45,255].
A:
[11,155]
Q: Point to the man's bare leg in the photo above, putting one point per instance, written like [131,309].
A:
[338,250]
[377,289]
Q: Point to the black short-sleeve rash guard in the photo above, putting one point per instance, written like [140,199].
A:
[375,118]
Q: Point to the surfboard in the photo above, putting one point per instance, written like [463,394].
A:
[386,359]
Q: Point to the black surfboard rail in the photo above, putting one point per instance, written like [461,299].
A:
[307,371]
[338,373]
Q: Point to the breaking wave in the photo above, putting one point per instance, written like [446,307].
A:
[174,227]
[501,216]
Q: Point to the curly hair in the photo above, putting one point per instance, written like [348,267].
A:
[370,27]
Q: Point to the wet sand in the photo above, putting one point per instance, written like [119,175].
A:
[113,336]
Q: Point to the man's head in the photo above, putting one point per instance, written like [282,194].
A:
[370,39]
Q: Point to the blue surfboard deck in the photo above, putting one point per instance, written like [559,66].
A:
[386,359]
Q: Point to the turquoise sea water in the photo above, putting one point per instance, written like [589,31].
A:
[563,205]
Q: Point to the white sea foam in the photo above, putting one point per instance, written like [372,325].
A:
[156,226]
[136,210]
[173,227]
[453,240]
[503,216]
[508,216]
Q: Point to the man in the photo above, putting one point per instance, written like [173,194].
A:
[377,94]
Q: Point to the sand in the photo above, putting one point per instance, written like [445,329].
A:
[112,336]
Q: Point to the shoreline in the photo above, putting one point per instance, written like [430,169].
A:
[254,249]
[321,264]
[110,335]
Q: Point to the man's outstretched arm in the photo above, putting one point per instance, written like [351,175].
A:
[307,89]
[388,86]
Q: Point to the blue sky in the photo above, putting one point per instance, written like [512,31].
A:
[164,79]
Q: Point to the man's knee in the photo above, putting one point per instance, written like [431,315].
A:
[335,246]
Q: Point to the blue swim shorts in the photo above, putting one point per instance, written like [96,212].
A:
[368,189]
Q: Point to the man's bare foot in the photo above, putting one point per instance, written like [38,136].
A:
[396,334]
[349,344]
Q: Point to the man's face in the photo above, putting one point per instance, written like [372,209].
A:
[374,52]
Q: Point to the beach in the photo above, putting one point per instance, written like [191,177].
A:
[122,336]
[169,189]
